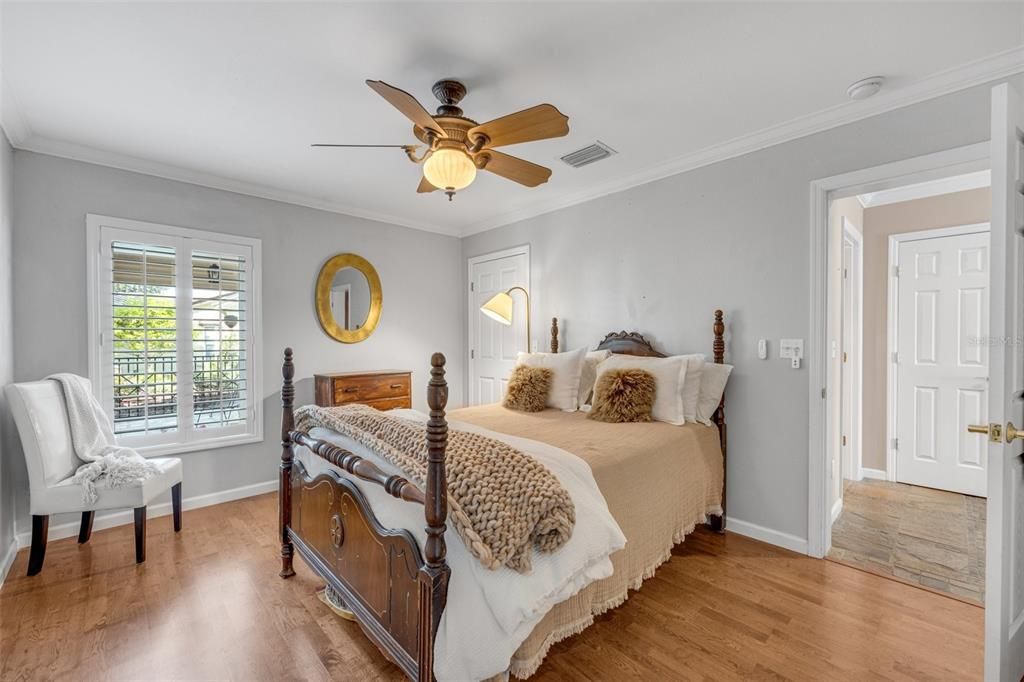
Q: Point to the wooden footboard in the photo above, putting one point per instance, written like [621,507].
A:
[395,591]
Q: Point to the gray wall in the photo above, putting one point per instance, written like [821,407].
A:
[53,197]
[660,257]
[7,438]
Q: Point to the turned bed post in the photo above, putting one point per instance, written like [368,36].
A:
[287,455]
[719,418]
[554,334]
[435,572]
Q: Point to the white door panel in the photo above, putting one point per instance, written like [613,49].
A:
[493,346]
[942,373]
[1004,573]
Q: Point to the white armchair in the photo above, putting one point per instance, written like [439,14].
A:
[40,413]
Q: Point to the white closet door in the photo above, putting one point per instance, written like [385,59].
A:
[942,372]
[493,346]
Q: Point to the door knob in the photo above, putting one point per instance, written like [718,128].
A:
[993,431]
[1012,432]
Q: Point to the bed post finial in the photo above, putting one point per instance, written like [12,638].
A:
[437,442]
[554,334]
[434,574]
[287,455]
[718,522]
[719,330]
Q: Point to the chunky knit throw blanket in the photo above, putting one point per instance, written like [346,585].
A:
[502,502]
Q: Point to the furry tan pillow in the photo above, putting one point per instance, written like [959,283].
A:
[528,388]
[623,395]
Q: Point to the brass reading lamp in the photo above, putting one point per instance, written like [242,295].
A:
[499,308]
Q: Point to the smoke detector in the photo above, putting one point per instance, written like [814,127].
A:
[866,87]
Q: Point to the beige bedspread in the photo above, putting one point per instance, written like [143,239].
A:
[659,481]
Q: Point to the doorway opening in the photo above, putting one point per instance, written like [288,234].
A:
[908,316]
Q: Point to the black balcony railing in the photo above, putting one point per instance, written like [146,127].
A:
[146,385]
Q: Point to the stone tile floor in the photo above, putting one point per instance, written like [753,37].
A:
[930,537]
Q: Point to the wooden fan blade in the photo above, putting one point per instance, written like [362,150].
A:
[536,123]
[425,187]
[515,169]
[408,105]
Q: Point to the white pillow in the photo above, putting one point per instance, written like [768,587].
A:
[691,388]
[712,386]
[669,376]
[565,380]
[589,374]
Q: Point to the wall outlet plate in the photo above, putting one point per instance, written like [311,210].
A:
[791,348]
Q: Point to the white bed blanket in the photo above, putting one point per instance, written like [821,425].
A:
[490,613]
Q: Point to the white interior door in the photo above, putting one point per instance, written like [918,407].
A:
[1004,575]
[846,435]
[493,346]
[942,361]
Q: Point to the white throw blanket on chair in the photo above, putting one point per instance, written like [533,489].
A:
[93,438]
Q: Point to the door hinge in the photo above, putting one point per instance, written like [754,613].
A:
[844,441]
[472,286]
[895,358]
[472,355]
[895,271]
[844,356]
[846,273]
[895,443]
[822,394]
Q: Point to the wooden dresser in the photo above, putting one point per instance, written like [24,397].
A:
[385,389]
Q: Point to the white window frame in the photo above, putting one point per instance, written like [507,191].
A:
[99,230]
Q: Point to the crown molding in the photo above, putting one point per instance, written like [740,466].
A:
[76,152]
[1000,65]
[994,67]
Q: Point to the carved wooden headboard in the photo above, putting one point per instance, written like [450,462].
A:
[633,343]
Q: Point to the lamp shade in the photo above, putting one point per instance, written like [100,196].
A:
[499,308]
[449,169]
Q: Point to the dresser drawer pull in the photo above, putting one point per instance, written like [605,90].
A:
[396,385]
[351,389]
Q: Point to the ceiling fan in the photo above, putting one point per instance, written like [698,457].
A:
[458,146]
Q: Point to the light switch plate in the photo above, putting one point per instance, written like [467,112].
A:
[791,348]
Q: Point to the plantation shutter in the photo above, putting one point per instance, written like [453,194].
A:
[220,328]
[175,319]
[144,330]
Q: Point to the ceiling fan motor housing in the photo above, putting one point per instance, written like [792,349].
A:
[449,93]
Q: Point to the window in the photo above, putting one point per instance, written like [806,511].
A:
[174,318]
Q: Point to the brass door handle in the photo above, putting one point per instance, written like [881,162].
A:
[993,431]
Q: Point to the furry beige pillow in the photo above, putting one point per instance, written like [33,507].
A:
[528,388]
[623,395]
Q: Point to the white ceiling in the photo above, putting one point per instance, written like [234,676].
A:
[231,95]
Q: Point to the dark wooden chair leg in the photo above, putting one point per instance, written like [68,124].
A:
[140,534]
[40,526]
[85,532]
[176,506]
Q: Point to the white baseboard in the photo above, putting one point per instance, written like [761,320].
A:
[121,518]
[873,473]
[772,537]
[8,560]
[837,509]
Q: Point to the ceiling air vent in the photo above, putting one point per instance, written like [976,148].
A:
[595,152]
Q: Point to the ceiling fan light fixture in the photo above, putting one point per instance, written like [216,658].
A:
[449,169]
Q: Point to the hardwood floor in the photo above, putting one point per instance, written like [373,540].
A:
[208,605]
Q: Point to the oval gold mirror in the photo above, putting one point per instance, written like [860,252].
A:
[348,298]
